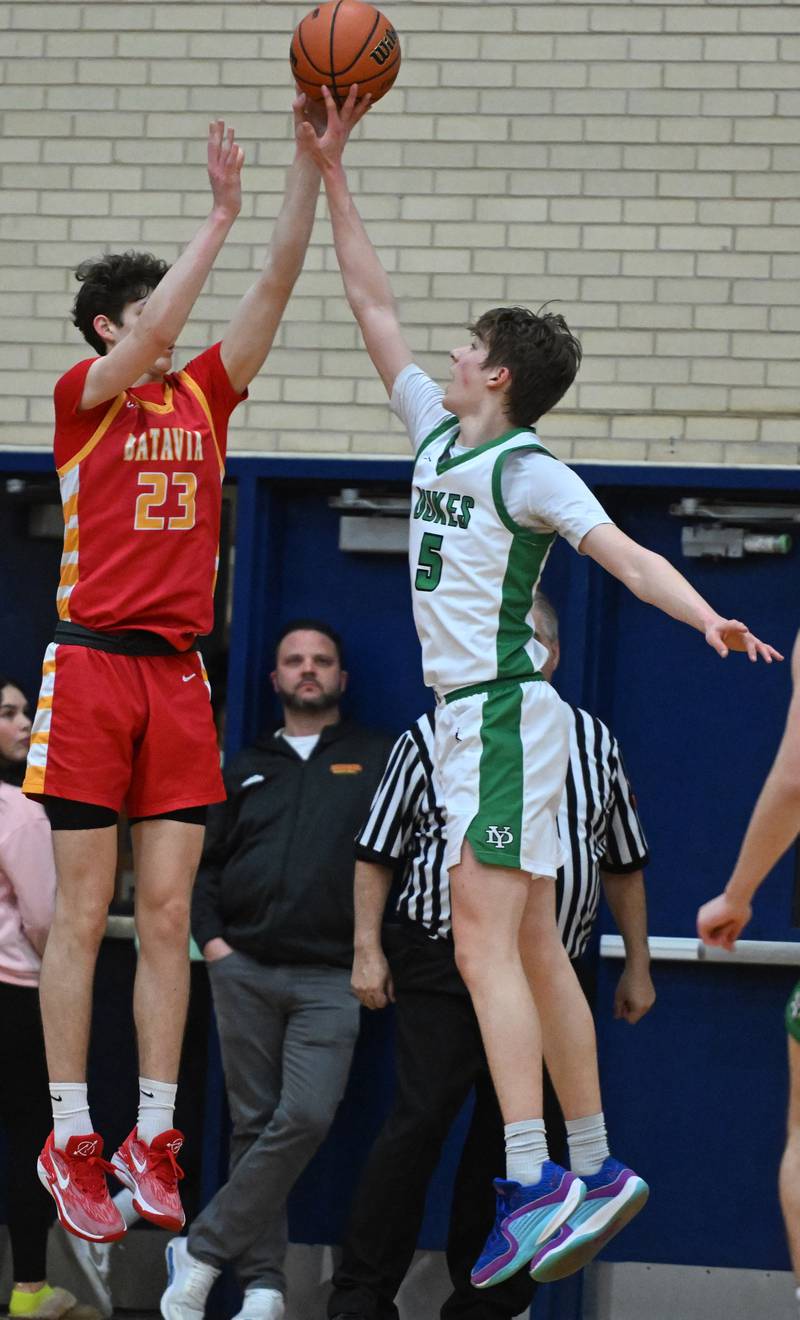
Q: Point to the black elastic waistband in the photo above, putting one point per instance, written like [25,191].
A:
[134,641]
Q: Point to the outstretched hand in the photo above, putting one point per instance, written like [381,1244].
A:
[308,111]
[326,139]
[225,161]
[731,635]
[722,920]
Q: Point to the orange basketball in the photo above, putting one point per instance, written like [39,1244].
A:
[344,42]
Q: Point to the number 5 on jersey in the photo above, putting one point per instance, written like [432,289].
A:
[430,563]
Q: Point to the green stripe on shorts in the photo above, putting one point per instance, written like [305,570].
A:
[495,833]
[793,1013]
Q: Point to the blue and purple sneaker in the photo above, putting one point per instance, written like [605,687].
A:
[613,1197]
[526,1217]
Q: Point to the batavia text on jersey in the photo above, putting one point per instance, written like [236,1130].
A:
[164,444]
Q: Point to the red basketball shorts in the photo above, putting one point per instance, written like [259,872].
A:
[122,730]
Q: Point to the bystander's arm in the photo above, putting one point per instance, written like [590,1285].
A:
[207,925]
[371,979]
[27,862]
[627,900]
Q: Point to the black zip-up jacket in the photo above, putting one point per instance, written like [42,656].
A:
[276,878]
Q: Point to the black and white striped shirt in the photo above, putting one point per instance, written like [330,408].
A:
[597,821]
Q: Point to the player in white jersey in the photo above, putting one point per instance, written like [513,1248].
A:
[488,501]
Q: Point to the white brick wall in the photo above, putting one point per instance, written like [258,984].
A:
[637,162]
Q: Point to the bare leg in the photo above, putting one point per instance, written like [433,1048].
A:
[568,1035]
[86,862]
[166,856]
[790,1165]
[488,905]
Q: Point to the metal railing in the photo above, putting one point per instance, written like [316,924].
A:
[676,948]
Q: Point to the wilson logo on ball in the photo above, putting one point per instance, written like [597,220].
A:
[384,48]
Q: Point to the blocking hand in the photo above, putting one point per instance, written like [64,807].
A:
[225,161]
[327,148]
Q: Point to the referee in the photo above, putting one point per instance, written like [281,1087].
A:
[439,1053]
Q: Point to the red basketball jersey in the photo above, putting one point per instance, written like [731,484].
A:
[141,489]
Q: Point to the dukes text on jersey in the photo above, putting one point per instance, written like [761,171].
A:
[440,506]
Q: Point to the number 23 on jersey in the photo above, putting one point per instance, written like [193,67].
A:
[156,488]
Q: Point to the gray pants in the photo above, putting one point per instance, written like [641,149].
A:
[287,1036]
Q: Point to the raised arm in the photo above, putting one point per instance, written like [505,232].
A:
[165,312]
[653,579]
[249,337]
[366,283]
[773,827]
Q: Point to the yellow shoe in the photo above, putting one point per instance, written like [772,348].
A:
[46,1304]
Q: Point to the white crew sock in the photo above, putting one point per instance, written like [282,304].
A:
[70,1103]
[124,1203]
[526,1151]
[156,1106]
[588,1143]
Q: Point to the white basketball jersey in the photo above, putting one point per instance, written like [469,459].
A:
[474,570]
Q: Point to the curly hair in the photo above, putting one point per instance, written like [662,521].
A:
[541,353]
[108,284]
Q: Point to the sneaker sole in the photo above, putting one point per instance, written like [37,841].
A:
[582,1248]
[527,1246]
[64,1219]
[156,1217]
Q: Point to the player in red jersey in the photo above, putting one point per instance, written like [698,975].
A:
[124,716]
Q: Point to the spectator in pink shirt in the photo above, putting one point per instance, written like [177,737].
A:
[27,894]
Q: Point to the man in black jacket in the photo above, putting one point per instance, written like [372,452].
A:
[273,915]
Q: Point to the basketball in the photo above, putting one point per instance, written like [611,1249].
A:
[344,42]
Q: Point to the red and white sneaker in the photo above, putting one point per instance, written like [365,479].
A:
[76,1180]
[152,1173]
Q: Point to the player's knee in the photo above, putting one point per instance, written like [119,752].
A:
[85,918]
[471,960]
[164,920]
[542,952]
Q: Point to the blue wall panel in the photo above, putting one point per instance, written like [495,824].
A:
[695,1099]
[698,733]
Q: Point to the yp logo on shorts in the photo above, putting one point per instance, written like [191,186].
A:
[499,836]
